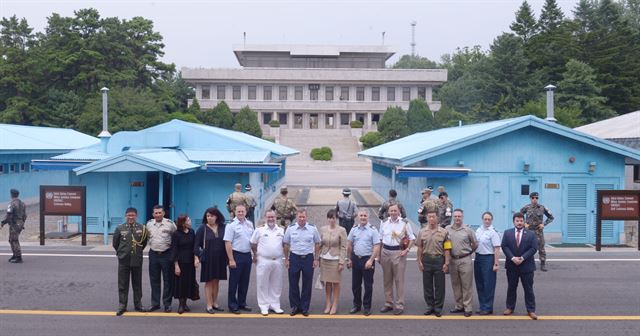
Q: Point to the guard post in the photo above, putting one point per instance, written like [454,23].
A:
[63,201]
[617,205]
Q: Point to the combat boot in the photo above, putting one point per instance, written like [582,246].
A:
[543,267]
[12,257]
[16,260]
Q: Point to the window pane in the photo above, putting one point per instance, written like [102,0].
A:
[313,94]
[360,93]
[221,89]
[298,93]
[375,94]
[283,118]
[266,117]
[344,118]
[252,92]
[391,94]
[283,93]
[236,92]
[344,93]
[206,93]
[406,93]
[267,93]
[328,95]
[422,92]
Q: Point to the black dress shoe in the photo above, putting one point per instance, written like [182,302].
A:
[294,311]
[485,312]
[210,310]
[305,313]
[367,312]
[235,311]
[354,310]
[180,309]
[456,310]
[120,311]
[186,308]
[467,314]
[245,308]
[218,308]
[154,308]
[438,314]
[428,312]
[386,309]
[141,309]
[167,309]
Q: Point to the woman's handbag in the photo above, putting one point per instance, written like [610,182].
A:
[201,253]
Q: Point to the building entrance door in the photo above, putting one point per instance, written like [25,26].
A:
[297,120]
[329,120]
[313,120]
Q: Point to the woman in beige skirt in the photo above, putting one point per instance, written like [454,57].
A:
[333,255]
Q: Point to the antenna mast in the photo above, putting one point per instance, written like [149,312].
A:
[413,38]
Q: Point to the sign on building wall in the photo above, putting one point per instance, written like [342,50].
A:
[617,205]
[63,201]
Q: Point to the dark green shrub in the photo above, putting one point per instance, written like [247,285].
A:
[371,139]
[355,124]
[321,154]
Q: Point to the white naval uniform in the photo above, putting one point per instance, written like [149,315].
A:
[269,266]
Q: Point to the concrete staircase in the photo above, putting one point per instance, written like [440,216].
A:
[345,169]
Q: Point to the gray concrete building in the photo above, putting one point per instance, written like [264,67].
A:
[309,87]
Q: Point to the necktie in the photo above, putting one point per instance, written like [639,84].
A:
[518,238]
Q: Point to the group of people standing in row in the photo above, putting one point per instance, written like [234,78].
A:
[347,240]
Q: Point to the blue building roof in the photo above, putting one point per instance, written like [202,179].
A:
[421,146]
[174,147]
[21,139]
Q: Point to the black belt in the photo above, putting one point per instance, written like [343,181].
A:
[432,255]
[355,256]
[303,256]
[391,248]
[156,252]
[234,251]
[462,256]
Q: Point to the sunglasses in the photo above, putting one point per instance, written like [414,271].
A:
[536,197]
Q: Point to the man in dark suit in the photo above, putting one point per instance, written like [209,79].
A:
[519,246]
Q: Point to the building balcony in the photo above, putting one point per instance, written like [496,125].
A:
[312,105]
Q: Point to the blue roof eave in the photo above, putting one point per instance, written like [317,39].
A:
[128,156]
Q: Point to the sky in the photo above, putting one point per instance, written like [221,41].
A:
[201,33]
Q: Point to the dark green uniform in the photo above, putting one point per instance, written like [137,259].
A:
[534,216]
[16,215]
[129,240]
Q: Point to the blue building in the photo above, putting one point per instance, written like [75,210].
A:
[184,166]
[21,144]
[495,165]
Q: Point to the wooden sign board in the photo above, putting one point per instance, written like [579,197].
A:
[617,205]
[63,201]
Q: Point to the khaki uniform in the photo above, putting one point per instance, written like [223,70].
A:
[427,205]
[285,210]
[129,242]
[433,286]
[15,217]
[534,216]
[236,198]
[463,241]
[445,210]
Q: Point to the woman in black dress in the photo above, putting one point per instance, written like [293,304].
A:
[213,256]
[184,281]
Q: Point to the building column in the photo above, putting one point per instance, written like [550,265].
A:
[353,117]
[290,119]
[369,118]
[160,187]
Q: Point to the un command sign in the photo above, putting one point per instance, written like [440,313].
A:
[617,205]
[63,201]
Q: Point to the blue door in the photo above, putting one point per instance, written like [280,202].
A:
[579,219]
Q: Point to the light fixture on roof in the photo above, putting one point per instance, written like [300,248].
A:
[525,167]
[592,167]
[460,163]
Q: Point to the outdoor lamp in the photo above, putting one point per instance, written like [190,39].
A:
[592,167]
[525,167]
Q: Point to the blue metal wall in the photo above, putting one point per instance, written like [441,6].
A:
[498,176]
[17,173]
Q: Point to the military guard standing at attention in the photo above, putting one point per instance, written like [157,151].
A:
[427,204]
[445,209]
[301,255]
[363,248]
[129,241]
[534,213]
[284,207]
[251,203]
[463,244]
[15,217]
[160,264]
[346,210]
[383,213]
[236,198]
[433,257]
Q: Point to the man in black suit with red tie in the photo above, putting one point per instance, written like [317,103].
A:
[519,246]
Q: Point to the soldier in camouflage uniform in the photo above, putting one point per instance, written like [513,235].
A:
[427,204]
[445,209]
[15,217]
[251,202]
[129,241]
[383,213]
[534,214]
[236,198]
[285,208]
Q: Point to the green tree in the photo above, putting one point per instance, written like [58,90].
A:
[371,139]
[419,117]
[525,25]
[247,121]
[567,116]
[414,62]
[551,17]
[393,124]
[578,89]
[20,111]
[195,107]
[184,117]
[448,117]
[219,116]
